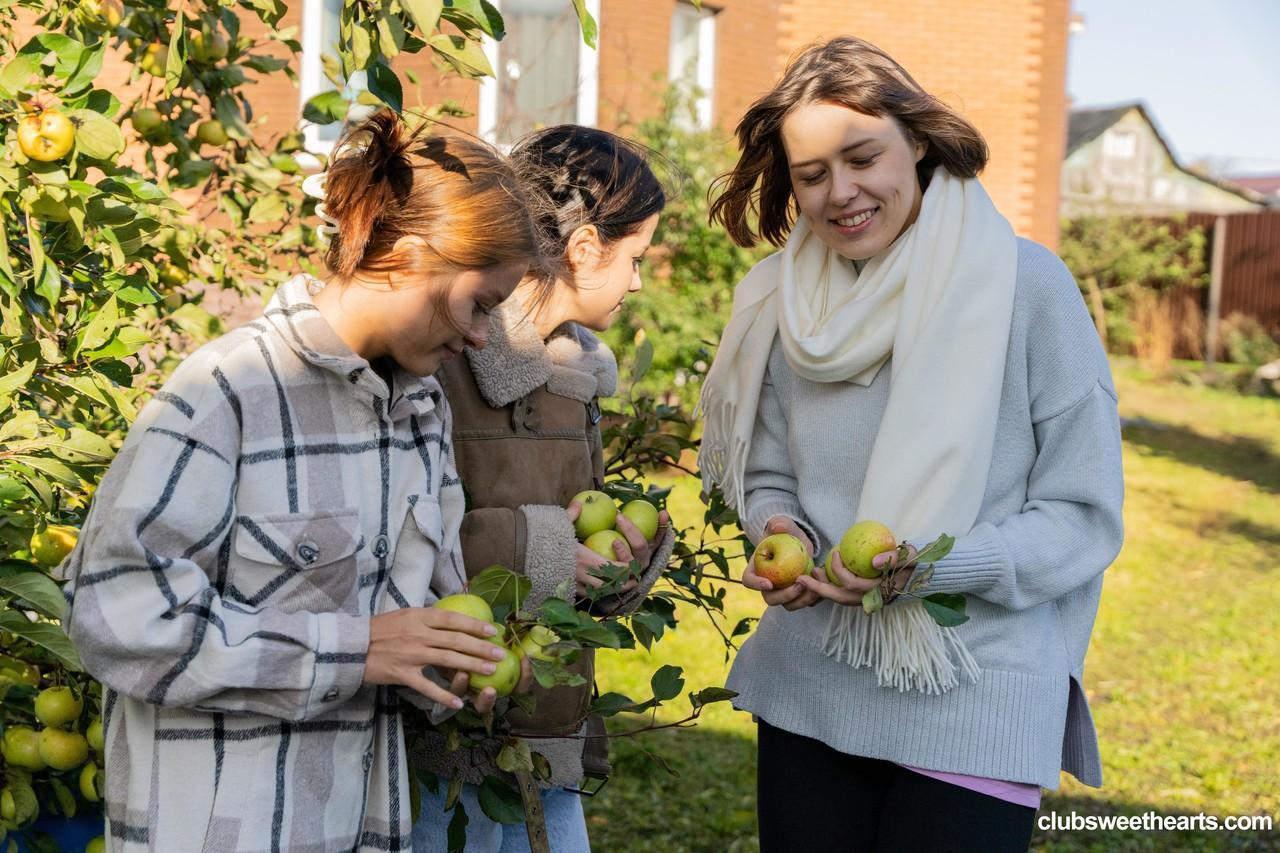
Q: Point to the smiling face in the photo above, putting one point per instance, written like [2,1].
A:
[603,275]
[853,175]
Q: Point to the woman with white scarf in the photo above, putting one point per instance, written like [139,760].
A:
[905,358]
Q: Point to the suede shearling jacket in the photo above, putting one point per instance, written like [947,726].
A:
[526,440]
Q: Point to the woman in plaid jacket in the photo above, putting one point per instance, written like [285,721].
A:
[254,577]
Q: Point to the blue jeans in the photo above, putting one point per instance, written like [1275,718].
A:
[566,825]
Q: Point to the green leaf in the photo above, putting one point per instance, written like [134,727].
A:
[476,14]
[100,328]
[17,74]
[425,13]
[325,108]
[44,634]
[15,380]
[515,757]
[501,587]
[52,467]
[89,69]
[707,695]
[176,59]
[588,23]
[609,704]
[643,360]
[68,51]
[466,57]
[500,802]
[872,600]
[268,208]
[11,490]
[946,609]
[667,682]
[385,85]
[936,550]
[457,838]
[66,800]
[266,64]
[38,590]
[133,295]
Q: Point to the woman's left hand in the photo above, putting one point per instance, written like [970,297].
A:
[852,587]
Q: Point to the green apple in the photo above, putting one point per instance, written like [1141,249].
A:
[63,750]
[602,543]
[535,642]
[860,545]
[94,735]
[154,59]
[91,782]
[504,679]
[21,748]
[831,573]
[211,132]
[57,706]
[499,638]
[780,559]
[97,844]
[468,605]
[644,516]
[598,513]
[208,48]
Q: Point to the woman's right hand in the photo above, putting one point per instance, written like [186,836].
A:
[795,596]
[404,642]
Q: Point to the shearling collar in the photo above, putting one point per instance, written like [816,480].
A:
[574,363]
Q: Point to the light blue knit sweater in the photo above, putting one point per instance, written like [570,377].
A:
[1031,568]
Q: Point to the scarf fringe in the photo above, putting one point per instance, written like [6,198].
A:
[722,462]
[908,650]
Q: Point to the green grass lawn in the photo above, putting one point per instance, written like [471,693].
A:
[1183,674]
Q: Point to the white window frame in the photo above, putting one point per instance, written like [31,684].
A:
[588,106]
[705,70]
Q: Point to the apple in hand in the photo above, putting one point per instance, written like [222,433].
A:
[644,516]
[602,543]
[598,513]
[468,605]
[503,679]
[780,559]
[861,544]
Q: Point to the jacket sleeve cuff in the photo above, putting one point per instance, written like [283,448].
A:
[341,648]
[550,550]
[658,560]
[976,563]
[764,504]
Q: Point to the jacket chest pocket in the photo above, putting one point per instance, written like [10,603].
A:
[297,561]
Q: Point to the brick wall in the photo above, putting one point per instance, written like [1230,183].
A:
[1002,63]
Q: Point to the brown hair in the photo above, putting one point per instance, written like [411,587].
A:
[458,195]
[577,176]
[862,77]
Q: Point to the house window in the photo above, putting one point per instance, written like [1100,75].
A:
[1121,144]
[320,20]
[546,75]
[693,61]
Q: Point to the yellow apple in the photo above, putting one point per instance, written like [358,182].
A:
[862,543]
[46,135]
[780,559]
[50,546]
[63,750]
[602,543]
[468,605]
[57,706]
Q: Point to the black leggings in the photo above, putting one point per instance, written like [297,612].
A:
[815,798]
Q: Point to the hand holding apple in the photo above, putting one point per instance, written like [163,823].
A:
[795,596]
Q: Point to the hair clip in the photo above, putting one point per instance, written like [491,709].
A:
[314,187]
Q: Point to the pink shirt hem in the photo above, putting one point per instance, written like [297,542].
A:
[1021,793]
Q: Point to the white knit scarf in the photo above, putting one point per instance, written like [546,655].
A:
[939,300]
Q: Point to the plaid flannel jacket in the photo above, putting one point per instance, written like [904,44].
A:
[267,502]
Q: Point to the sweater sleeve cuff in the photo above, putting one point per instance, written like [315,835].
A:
[341,648]
[976,563]
[761,509]
[550,550]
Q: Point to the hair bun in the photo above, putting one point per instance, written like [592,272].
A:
[371,170]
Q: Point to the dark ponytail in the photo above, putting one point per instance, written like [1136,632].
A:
[458,195]
[578,176]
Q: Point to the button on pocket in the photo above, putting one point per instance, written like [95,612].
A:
[296,561]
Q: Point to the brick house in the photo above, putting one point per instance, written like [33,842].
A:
[1000,62]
